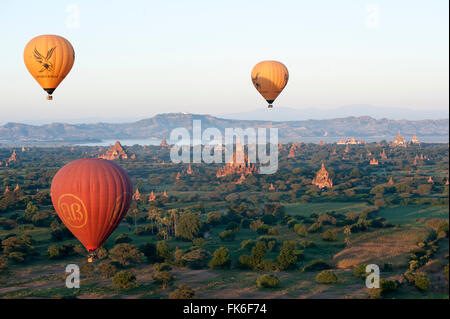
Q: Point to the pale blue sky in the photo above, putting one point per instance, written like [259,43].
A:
[135,59]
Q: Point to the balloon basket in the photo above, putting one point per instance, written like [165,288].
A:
[92,257]
[269,106]
[49,98]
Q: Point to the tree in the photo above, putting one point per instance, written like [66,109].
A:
[163,251]
[288,257]
[301,230]
[196,258]
[329,235]
[221,258]
[163,278]
[124,280]
[267,281]
[227,235]
[126,254]
[347,233]
[326,277]
[107,269]
[188,226]
[421,281]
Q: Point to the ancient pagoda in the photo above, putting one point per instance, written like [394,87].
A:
[152,197]
[292,151]
[374,161]
[383,155]
[137,195]
[13,157]
[164,143]
[322,178]
[430,180]
[239,165]
[240,180]
[115,152]
[6,190]
[271,187]
[391,181]
[399,140]
[414,140]
[189,170]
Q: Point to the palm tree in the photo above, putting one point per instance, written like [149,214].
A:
[347,233]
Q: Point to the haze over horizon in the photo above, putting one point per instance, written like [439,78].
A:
[143,58]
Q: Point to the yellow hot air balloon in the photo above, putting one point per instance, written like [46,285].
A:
[270,78]
[49,59]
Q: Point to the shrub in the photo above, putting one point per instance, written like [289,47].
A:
[199,242]
[221,258]
[162,267]
[247,244]
[107,269]
[227,235]
[326,277]
[267,281]
[360,271]
[87,268]
[163,278]
[314,228]
[163,251]
[196,258]
[288,257]
[214,218]
[329,235]
[317,265]
[126,254]
[124,280]
[421,281]
[301,230]
[182,292]
[55,252]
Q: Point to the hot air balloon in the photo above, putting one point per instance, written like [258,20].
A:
[91,196]
[270,78]
[49,59]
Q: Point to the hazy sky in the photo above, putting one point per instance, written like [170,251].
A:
[135,59]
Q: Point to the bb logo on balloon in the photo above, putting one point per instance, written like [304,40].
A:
[73,210]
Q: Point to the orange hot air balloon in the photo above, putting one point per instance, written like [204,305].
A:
[49,58]
[270,78]
[91,196]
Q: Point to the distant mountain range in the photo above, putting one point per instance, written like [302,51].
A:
[161,125]
[358,110]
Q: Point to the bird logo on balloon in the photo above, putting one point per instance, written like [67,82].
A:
[46,64]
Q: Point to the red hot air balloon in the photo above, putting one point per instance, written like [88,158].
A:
[91,196]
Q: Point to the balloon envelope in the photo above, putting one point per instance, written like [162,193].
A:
[91,196]
[49,58]
[270,78]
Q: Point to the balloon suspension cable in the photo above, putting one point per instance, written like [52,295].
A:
[92,256]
